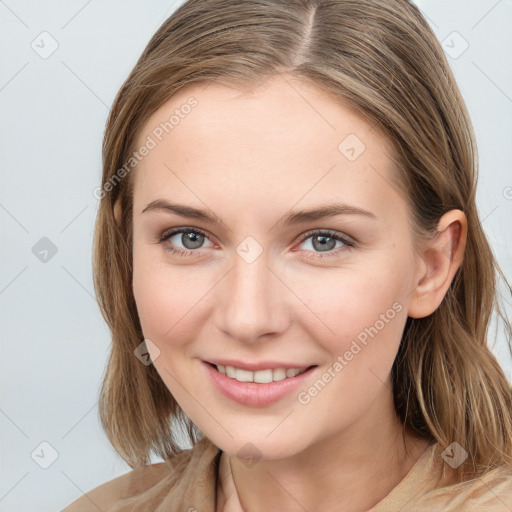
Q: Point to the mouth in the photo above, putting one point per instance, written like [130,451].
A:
[258,389]
[266,376]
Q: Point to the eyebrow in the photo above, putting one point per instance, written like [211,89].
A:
[291,218]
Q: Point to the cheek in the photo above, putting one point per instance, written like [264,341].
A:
[346,302]
[359,318]
[362,320]
[168,299]
[154,296]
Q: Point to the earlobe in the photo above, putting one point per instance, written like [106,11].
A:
[439,262]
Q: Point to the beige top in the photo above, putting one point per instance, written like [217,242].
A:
[188,483]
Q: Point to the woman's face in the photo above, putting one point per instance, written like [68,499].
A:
[247,287]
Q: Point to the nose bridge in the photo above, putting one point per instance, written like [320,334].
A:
[252,305]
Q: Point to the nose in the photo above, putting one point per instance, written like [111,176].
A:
[252,301]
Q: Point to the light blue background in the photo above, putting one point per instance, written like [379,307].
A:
[53,111]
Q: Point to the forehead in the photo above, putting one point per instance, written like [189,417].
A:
[282,142]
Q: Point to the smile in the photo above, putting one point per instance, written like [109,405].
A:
[258,388]
[261,376]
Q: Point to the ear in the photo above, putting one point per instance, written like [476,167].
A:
[439,261]
[117,211]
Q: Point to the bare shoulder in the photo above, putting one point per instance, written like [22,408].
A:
[106,495]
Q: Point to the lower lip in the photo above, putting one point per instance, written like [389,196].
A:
[254,394]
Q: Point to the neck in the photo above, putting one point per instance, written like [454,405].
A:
[351,470]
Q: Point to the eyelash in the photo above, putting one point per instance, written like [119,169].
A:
[349,244]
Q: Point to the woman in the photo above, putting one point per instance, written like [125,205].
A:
[290,260]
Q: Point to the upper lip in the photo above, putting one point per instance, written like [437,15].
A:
[260,365]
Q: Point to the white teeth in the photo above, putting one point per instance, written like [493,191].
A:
[244,375]
[261,376]
[278,374]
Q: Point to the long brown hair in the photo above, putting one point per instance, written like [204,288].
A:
[382,59]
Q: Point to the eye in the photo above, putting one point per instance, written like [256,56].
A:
[191,240]
[325,241]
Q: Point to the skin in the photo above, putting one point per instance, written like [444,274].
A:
[250,159]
